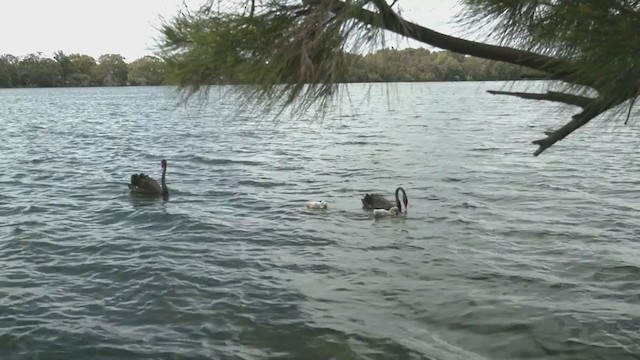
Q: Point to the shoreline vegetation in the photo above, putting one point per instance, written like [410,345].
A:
[386,65]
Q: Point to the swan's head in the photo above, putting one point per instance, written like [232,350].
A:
[163,164]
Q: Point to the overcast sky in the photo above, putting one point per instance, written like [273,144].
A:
[129,27]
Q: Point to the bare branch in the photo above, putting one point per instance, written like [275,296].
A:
[597,107]
[570,99]
[383,6]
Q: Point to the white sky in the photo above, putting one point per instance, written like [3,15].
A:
[129,27]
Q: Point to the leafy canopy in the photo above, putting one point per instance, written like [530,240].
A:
[284,50]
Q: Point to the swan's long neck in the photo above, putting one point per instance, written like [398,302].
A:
[163,183]
[398,204]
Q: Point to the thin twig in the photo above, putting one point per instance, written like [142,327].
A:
[630,107]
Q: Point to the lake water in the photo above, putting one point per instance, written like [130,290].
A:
[502,255]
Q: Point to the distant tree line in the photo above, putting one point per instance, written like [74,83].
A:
[36,70]
[387,65]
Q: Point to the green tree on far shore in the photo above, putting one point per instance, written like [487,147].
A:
[8,71]
[35,70]
[81,68]
[112,70]
[148,70]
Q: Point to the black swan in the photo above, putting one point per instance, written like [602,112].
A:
[144,184]
[377,201]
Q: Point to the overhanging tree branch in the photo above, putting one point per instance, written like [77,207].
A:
[557,69]
[297,49]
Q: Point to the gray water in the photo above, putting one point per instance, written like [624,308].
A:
[502,255]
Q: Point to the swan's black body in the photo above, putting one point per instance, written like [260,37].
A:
[377,201]
[144,184]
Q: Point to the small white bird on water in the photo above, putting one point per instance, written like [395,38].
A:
[394,211]
[317,204]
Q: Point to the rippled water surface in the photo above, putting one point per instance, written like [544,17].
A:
[502,255]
